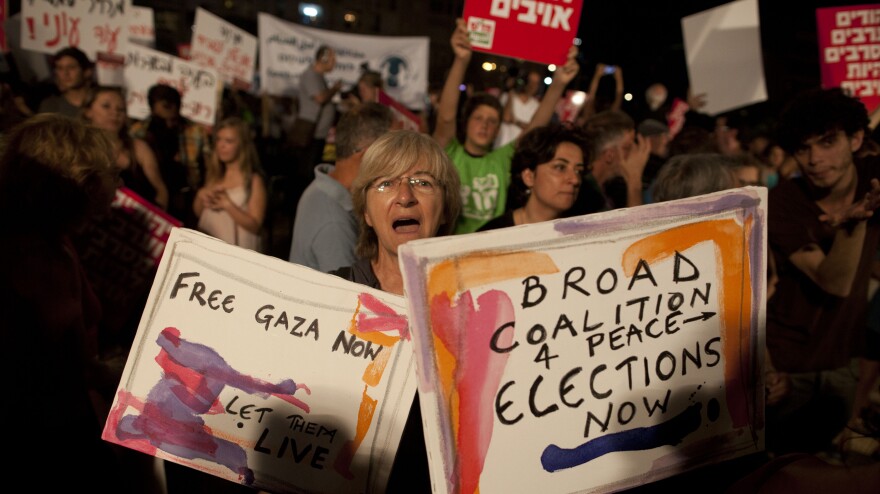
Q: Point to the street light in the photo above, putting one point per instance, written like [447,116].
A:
[310,10]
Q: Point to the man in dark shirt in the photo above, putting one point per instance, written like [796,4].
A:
[73,78]
[823,236]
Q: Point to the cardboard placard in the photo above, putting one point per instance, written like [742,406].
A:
[266,373]
[536,30]
[849,50]
[595,353]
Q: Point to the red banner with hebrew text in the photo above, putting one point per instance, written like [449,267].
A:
[537,30]
[849,50]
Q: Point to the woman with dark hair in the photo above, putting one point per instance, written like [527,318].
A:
[104,108]
[231,205]
[547,171]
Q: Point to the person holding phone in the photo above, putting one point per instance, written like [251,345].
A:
[591,107]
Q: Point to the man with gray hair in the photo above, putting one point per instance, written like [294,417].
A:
[617,160]
[325,230]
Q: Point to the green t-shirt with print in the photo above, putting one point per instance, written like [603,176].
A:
[484,183]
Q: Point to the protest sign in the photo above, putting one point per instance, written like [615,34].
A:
[594,353]
[537,30]
[110,69]
[849,50]
[724,58]
[121,252]
[403,118]
[222,46]
[266,373]
[90,25]
[287,50]
[32,66]
[141,29]
[199,87]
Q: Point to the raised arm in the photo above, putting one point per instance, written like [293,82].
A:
[444,131]
[618,88]
[561,78]
[835,272]
[327,94]
[632,168]
[590,103]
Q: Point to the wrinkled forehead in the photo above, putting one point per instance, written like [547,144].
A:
[420,168]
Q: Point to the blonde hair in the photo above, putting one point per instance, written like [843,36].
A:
[55,171]
[250,160]
[391,155]
[93,94]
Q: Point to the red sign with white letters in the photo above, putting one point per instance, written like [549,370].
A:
[535,30]
[849,50]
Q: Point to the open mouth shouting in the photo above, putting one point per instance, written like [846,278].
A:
[406,225]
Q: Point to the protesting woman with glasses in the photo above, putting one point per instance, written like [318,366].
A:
[406,189]
[547,170]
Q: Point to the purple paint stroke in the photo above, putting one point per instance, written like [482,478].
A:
[193,375]
[669,433]
[622,219]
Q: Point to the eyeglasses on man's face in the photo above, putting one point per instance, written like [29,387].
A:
[423,184]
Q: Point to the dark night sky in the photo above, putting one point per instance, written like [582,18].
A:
[645,39]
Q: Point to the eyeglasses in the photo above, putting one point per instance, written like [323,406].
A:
[424,185]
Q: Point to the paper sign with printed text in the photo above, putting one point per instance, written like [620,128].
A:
[849,50]
[536,30]
[266,373]
[595,353]
[224,47]
[288,49]
[199,87]
[141,27]
[90,25]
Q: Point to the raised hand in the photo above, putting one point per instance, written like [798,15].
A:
[569,70]
[776,386]
[860,210]
[460,41]
[632,166]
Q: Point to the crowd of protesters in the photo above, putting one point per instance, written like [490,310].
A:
[820,161]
